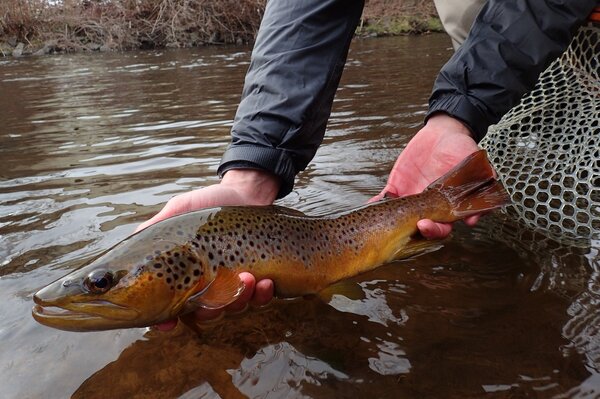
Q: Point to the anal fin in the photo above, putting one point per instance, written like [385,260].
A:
[415,247]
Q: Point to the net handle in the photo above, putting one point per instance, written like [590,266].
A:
[595,15]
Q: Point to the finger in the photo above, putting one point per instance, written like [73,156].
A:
[170,209]
[242,301]
[378,197]
[472,220]
[432,230]
[263,293]
[167,325]
[154,219]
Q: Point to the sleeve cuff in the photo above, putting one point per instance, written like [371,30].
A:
[273,160]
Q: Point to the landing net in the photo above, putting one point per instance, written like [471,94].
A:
[547,149]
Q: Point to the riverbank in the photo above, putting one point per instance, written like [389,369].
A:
[37,27]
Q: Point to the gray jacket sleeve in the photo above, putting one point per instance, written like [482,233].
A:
[295,68]
[509,46]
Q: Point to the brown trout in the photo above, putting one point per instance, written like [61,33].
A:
[193,260]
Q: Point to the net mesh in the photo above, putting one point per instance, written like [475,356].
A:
[547,149]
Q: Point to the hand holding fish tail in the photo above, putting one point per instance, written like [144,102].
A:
[238,187]
[439,146]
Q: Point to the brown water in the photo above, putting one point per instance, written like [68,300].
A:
[92,145]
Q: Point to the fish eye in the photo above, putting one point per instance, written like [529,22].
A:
[98,282]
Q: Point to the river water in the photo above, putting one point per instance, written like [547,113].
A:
[92,145]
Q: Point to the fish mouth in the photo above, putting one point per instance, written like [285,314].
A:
[83,316]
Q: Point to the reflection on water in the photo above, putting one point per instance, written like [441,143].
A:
[93,145]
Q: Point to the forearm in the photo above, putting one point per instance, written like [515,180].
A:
[295,69]
[510,44]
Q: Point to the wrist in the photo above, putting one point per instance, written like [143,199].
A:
[445,122]
[256,185]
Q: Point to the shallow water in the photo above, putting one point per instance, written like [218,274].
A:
[92,145]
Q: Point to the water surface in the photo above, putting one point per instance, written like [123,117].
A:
[92,145]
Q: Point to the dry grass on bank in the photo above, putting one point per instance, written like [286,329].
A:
[80,25]
[74,25]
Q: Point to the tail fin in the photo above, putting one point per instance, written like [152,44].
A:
[471,187]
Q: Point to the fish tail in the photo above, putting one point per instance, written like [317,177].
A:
[471,187]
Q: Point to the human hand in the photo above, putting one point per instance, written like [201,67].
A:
[238,187]
[439,146]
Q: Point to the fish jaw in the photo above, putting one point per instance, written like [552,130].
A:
[63,310]
[85,317]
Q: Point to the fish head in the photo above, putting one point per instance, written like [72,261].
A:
[123,288]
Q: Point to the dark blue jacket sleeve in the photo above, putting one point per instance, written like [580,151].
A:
[509,46]
[296,65]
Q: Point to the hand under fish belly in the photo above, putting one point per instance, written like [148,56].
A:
[193,260]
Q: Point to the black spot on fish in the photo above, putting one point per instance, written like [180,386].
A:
[191,259]
[157,265]
[211,256]
[182,265]
[175,277]
[168,280]
[170,261]
[187,280]
[196,272]
[159,275]
[179,286]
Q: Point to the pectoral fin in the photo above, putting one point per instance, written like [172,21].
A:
[224,289]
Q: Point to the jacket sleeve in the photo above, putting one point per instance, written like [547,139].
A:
[295,68]
[510,44]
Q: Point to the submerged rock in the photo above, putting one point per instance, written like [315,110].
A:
[18,51]
[94,46]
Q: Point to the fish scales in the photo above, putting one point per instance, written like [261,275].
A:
[193,260]
[295,250]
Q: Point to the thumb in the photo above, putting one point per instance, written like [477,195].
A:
[169,210]
[378,197]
